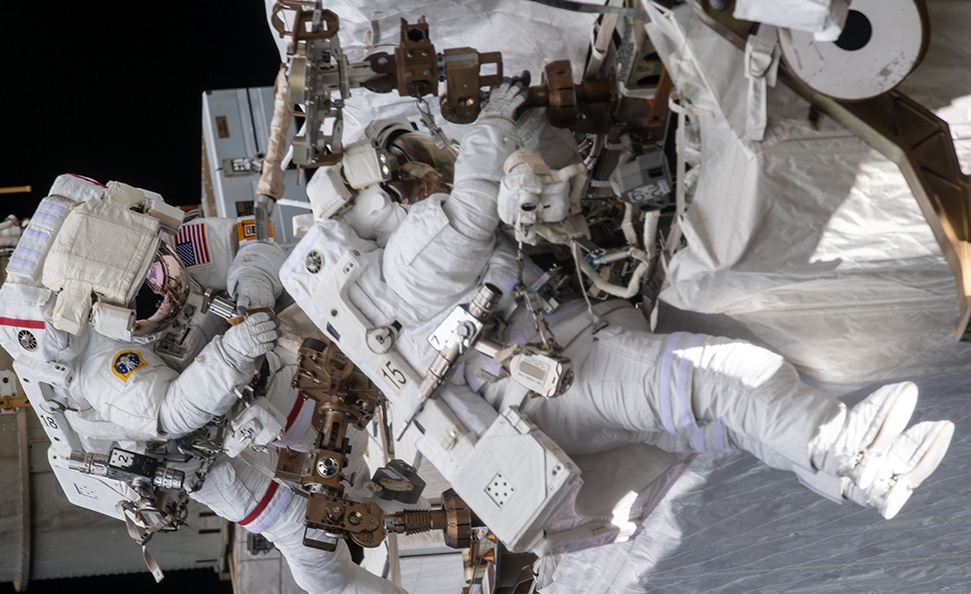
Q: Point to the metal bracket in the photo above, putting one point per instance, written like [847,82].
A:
[463,79]
[416,61]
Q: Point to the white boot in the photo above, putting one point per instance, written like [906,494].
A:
[910,459]
[843,444]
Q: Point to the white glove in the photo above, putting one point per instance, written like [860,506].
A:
[254,276]
[10,232]
[253,337]
[503,101]
[253,290]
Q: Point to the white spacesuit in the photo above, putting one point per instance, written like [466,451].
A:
[681,392]
[165,369]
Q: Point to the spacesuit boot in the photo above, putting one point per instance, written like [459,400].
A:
[845,445]
[911,458]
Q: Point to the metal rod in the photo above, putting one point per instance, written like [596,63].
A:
[394,558]
[23,569]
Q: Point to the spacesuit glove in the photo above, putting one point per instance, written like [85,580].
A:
[253,337]
[10,230]
[503,101]
[253,290]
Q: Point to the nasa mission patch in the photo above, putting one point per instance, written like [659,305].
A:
[125,363]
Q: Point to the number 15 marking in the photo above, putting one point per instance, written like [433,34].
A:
[394,374]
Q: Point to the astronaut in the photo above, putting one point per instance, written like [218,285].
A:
[152,367]
[680,392]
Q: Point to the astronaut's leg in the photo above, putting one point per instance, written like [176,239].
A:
[298,434]
[705,390]
[240,493]
[631,380]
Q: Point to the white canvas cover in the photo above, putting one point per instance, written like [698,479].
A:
[811,242]
[804,15]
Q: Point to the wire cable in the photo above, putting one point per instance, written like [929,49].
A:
[596,8]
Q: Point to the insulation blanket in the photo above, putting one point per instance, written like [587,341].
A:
[810,242]
[733,525]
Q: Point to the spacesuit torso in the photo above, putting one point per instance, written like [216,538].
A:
[123,389]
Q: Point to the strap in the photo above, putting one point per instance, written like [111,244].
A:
[253,459]
[762,55]
[674,239]
[123,507]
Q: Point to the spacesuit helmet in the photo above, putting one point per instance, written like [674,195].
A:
[163,294]
[421,167]
[379,176]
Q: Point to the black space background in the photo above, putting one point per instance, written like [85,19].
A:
[112,90]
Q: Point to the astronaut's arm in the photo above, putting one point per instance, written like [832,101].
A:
[357,580]
[234,490]
[206,388]
[253,278]
[135,389]
[471,206]
[442,248]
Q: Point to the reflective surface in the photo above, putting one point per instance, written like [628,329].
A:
[163,294]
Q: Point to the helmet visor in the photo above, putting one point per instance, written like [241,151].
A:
[414,146]
[162,296]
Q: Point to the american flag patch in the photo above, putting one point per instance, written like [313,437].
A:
[191,245]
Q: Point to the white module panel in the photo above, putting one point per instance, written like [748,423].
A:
[236,125]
